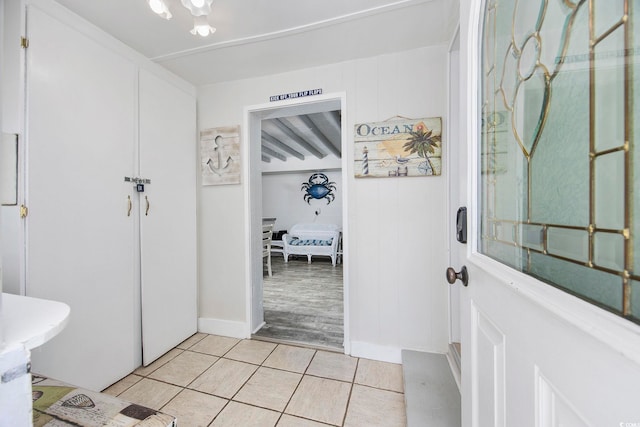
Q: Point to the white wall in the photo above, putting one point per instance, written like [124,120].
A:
[396,248]
[282,199]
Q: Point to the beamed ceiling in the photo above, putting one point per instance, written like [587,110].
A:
[308,135]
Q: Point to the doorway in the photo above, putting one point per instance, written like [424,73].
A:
[253,168]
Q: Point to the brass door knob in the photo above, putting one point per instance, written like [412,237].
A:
[462,275]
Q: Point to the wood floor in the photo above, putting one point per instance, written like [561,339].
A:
[303,302]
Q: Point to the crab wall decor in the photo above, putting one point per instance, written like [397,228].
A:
[318,187]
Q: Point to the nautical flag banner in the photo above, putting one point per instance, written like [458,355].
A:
[398,148]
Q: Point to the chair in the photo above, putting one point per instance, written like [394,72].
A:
[267,235]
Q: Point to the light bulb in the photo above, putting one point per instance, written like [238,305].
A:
[157,6]
[198,7]
[160,7]
[201,27]
[202,31]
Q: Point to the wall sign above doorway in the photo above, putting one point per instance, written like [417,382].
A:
[294,95]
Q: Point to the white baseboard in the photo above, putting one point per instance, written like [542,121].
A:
[376,352]
[259,327]
[454,364]
[226,328]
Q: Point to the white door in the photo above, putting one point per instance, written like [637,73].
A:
[550,202]
[167,215]
[80,137]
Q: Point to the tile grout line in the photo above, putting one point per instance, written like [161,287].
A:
[281,413]
[353,382]
[299,382]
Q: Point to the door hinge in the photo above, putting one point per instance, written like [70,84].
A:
[24,211]
[24,42]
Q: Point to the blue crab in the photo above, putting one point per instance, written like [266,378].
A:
[319,187]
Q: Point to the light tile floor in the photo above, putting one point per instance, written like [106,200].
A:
[216,381]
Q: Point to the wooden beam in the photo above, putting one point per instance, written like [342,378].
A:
[298,139]
[321,136]
[268,151]
[281,145]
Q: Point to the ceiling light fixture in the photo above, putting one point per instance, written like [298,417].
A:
[200,9]
[160,7]
[201,26]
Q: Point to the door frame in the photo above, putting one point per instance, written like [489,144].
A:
[455,156]
[253,200]
[614,331]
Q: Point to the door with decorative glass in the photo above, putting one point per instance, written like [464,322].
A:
[550,319]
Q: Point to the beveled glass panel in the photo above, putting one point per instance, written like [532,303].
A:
[489,119]
[600,287]
[560,166]
[511,255]
[572,40]
[609,92]
[610,191]
[567,243]
[489,42]
[606,14]
[554,21]
[509,186]
[503,31]
[531,110]
[509,78]
[529,57]
[504,232]
[609,251]
[527,19]
[531,236]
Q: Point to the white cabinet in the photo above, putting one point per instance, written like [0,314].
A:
[93,117]
[168,229]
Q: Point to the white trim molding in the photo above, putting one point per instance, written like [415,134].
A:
[225,328]
[378,352]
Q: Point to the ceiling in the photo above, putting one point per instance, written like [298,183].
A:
[262,37]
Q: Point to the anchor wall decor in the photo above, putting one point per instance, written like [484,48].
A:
[220,155]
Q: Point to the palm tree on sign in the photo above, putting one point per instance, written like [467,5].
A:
[423,142]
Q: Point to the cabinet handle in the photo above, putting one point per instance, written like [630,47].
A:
[129,205]
[146,212]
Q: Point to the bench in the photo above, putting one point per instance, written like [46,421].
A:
[312,239]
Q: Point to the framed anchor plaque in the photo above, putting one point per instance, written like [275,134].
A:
[220,155]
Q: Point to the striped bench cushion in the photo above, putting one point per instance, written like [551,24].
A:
[310,242]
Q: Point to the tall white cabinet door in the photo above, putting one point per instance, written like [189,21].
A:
[168,215]
[81,246]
